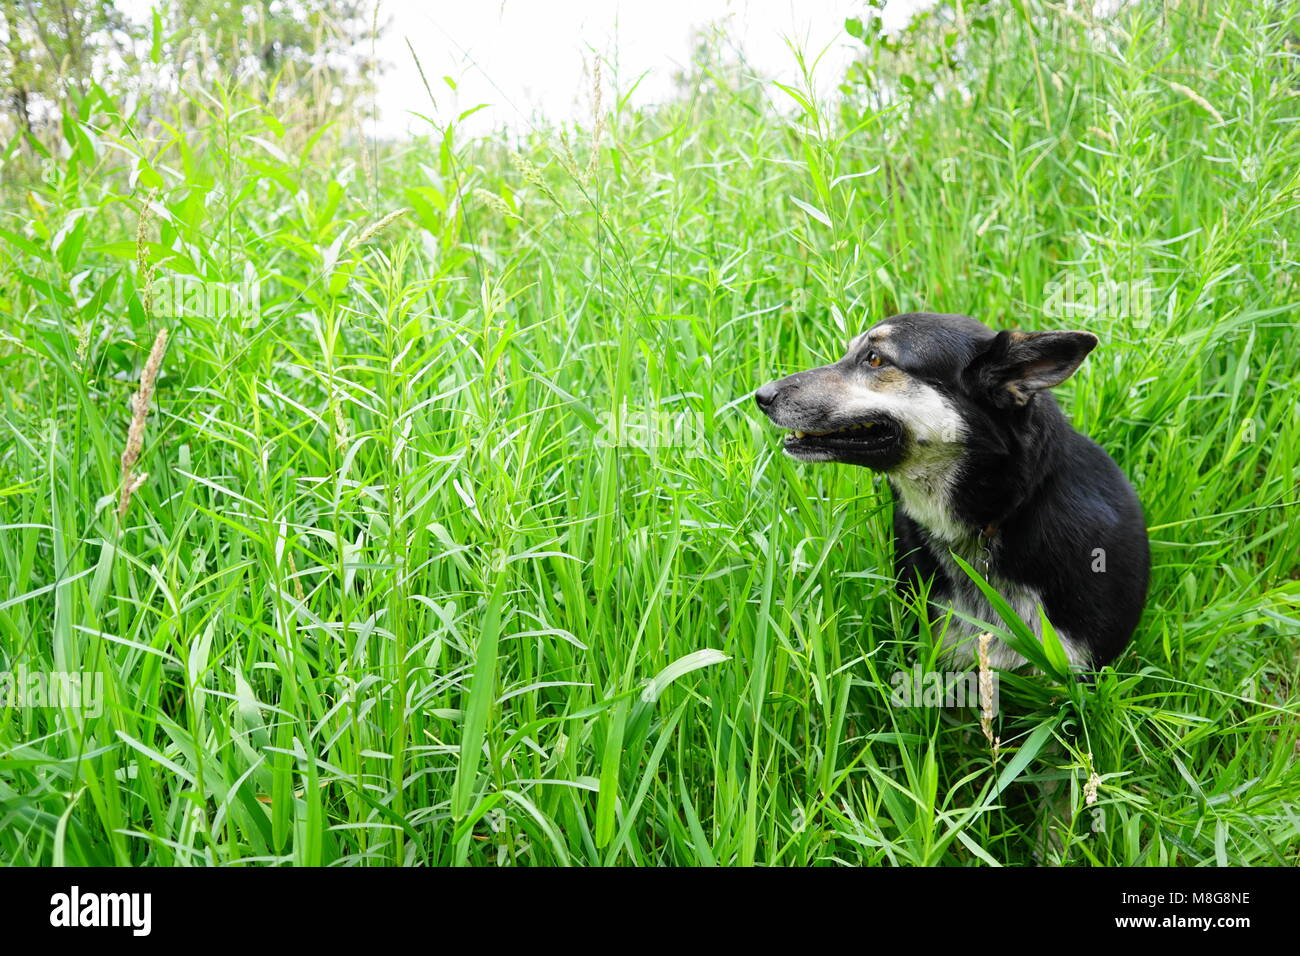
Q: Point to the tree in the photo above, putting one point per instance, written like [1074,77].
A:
[49,48]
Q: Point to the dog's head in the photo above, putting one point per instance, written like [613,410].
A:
[913,384]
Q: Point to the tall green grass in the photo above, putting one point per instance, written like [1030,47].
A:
[390,595]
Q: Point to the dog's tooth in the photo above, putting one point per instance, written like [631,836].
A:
[798,434]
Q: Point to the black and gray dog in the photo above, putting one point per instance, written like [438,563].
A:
[983,464]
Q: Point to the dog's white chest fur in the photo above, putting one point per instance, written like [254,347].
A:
[924,492]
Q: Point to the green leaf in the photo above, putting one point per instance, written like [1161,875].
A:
[678,668]
[156,40]
[482,694]
[812,211]
[1027,752]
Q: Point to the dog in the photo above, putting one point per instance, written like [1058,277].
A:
[983,464]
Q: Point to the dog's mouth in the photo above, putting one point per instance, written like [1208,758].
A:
[875,437]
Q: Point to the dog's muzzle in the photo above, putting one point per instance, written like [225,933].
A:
[817,433]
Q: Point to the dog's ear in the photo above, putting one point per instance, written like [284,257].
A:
[1017,365]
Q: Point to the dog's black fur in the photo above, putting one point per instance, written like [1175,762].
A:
[985,465]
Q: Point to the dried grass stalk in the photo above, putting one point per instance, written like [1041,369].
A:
[986,693]
[131,482]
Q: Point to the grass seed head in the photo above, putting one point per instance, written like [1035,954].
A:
[139,413]
[597,124]
[493,202]
[375,228]
[1091,785]
[144,269]
[1198,99]
[532,176]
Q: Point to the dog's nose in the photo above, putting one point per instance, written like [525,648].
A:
[766,395]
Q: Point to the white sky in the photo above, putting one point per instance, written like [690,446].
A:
[526,57]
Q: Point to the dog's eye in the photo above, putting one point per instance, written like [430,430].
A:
[874,359]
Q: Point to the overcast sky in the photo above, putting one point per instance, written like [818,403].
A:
[526,57]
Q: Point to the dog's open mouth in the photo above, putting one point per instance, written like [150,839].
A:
[876,435]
